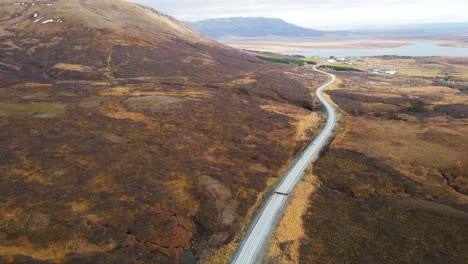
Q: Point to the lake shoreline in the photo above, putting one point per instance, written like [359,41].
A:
[283,45]
[409,50]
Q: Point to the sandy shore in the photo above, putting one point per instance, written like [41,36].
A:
[291,45]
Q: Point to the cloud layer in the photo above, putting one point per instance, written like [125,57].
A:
[320,14]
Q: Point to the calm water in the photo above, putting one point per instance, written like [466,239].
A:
[415,50]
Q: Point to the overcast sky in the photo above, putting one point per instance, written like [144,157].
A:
[321,14]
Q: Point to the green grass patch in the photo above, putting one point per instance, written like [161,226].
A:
[298,56]
[312,60]
[450,79]
[340,68]
[284,61]
[9,109]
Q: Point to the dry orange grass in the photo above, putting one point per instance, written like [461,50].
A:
[303,120]
[29,170]
[79,206]
[461,71]
[33,85]
[212,157]
[336,85]
[408,67]
[8,211]
[55,251]
[114,109]
[205,59]
[246,80]
[307,123]
[72,67]
[101,183]
[180,196]
[137,91]
[290,230]
[404,142]
[258,168]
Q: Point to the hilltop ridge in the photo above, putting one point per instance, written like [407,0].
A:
[251,27]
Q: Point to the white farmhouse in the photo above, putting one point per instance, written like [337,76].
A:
[382,71]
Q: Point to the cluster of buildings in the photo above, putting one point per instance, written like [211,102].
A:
[335,59]
[356,60]
[344,60]
[379,71]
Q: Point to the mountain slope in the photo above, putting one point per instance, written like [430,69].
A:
[251,27]
[106,25]
[129,138]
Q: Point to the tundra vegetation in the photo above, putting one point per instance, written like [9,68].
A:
[128,138]
[392,187]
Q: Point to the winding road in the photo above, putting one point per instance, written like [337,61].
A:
[253,246]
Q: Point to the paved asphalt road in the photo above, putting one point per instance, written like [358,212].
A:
[255,242]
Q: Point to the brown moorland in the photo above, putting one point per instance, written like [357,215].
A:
[392,187]
[128,138]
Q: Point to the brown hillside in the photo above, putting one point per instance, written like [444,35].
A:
[128,138]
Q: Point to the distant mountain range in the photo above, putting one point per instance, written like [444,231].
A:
[219,28]
[253,27]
